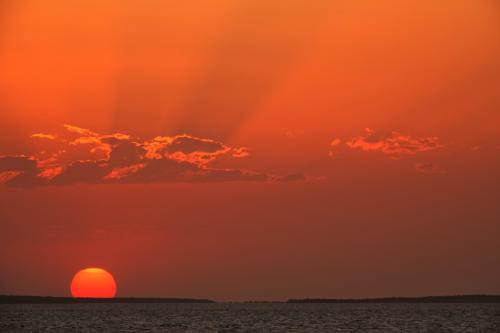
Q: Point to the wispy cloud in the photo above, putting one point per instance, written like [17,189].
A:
[43,136]
[333,147]
[394,144]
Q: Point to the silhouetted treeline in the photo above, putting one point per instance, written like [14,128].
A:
[427,299]
[4,299]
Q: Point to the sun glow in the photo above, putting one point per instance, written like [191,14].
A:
[93,282]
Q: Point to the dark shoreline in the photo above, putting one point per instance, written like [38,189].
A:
[426,299]
[12,299]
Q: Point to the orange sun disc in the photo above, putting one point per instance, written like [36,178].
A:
[93,282]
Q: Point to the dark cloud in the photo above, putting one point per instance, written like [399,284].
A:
[19,171]
[188,144]
[82,172]
[292,177]
[161,170]
[126,153]
[18,163]
[428,167]
[25,180]
[230,175]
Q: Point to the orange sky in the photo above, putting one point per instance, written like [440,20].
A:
[266,149]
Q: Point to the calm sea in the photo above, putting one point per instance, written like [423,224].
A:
[250,317]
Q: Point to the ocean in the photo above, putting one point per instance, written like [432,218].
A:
[249,317]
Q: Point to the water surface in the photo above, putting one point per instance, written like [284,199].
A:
[250,317]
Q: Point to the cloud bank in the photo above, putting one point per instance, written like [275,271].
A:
[120,158]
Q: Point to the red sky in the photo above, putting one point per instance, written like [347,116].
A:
[251,149]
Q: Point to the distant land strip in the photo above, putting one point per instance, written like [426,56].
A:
[427,299]
[12,299]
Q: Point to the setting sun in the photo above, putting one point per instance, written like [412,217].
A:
[93,282]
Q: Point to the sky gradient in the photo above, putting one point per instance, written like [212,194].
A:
[251,149]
